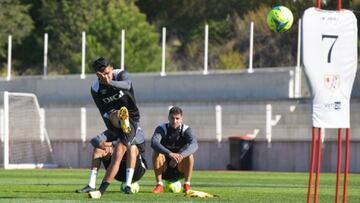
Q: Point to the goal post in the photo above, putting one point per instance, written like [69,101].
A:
[26,144]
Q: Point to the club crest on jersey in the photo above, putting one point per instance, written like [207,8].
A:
[113,97]
[332,82]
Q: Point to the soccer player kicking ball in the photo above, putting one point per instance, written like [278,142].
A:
[113,94]
[173,144]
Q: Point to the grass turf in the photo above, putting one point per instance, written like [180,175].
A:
[58,185]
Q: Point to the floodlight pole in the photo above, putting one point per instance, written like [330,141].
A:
[206,44]
[163,56]
[83,51]
[122,58]
[250,69]
[297,85]
[45,54]
[8,78]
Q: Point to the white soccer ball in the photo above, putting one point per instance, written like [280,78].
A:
[173,186]
[135,187]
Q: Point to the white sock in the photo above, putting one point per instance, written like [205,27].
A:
[129,176]
[187,182]
[160,183]
[92,179]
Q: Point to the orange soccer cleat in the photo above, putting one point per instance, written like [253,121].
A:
[187,188]
[158,189]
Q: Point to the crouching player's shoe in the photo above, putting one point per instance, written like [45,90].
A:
[187,188]
[127,190]
[85,189]
[158,189]
[123,115]
[95,194]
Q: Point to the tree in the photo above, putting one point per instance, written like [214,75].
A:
[142,50]
[64,22]
[102,20]
[16,22]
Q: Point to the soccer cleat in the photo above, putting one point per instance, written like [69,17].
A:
[85,189]
[123,115]
[187,188]
[127,190]
[158,189]
[95,194]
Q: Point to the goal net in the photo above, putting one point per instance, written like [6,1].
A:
[26,143]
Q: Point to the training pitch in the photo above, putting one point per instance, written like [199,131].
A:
[58,185]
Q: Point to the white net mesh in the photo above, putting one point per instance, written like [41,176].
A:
[28,140]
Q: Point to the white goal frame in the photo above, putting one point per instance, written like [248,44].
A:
[43,134]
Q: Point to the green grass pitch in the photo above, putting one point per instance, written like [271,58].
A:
[58,185]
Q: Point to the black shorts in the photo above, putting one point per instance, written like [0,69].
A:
[171,173]
[139,170]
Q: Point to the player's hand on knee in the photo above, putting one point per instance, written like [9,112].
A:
[176,157]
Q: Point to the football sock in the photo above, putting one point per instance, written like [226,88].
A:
[187,182]
[103,187]
[129,176]
[160,183]
[92,179]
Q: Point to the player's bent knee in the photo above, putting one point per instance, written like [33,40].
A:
[190,158]
[120,151]
[158,156]
[186,164]
[134,151]
[158,159]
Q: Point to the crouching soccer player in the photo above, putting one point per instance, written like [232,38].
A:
[173,144]
[104,147]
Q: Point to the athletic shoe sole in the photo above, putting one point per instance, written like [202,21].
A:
[123,115]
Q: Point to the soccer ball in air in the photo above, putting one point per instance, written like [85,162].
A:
[173,186]
[135,187]
[280,19]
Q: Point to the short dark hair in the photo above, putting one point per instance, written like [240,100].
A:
[100,64]
[175,110]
